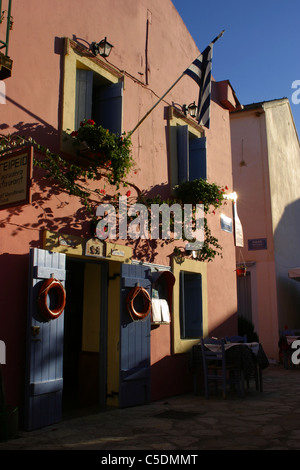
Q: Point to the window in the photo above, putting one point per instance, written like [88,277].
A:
[190,309]
[98,99]
[191,322]
[187,149]
[92,89]
[191,155]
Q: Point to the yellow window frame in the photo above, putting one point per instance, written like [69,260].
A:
[77,56]
[184,345]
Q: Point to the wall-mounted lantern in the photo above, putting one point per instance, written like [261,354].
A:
[103,48]
[191,109]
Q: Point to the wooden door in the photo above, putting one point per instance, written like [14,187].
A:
[44,358]
[134,386]
[244,296]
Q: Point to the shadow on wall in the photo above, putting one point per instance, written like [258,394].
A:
[13,321]
[287,256]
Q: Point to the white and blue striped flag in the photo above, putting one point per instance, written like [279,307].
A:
[200,71]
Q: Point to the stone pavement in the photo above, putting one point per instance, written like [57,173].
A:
[268,420]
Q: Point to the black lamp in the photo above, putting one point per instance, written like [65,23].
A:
[192,109]
[102,48]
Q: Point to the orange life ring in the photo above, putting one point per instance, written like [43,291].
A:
[48,285]
[146,301]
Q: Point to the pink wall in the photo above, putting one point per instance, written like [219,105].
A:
[251,180]
[34,108]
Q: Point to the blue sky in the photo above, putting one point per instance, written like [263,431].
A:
[260,50]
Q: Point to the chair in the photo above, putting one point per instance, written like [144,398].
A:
[243,339]
[216,370]
[236,339]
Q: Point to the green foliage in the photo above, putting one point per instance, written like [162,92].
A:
[212,196]
[199,191]
[195,192]
[111,158]
[108,150]
[246,327]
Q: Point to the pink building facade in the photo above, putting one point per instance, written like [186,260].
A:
[50,234]
[265,152]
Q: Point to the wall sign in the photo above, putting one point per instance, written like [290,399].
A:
[15,178]
[226,223]
[257,244]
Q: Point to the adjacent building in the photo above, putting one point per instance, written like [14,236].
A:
[266,158]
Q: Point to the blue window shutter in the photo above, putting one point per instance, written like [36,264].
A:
[197,158]
[84,93]
[108,107]
[44,355]
[190,305]
[135,363]
[182,153]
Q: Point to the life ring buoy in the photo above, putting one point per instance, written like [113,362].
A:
[52,284]
[135,292]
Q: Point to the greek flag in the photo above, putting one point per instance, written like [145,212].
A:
[200,71]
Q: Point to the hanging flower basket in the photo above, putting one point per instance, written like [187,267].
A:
[104,149]
[200,191]
[241,271]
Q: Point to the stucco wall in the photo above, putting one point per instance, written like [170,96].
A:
[251,181]
[284,158]
[152,47]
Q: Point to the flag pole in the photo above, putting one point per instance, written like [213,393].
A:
[169,89]
[154,106]
[218,37]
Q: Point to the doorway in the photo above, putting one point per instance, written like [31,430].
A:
[72,333]
[84,371]
[244,296]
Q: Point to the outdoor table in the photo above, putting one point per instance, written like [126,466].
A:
[247,357]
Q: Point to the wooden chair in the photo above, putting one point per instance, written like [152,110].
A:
[243,339]
[216,370]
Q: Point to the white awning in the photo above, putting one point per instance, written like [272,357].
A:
[294,273]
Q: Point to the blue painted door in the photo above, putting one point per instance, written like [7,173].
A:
[44,360]
[134,386]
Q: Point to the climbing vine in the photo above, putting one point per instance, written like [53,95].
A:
[104,155]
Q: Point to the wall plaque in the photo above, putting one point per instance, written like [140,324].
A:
[15,178]
[95,247]
[257,244]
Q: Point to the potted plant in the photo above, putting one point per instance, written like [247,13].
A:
[200,191]
[212,196]
[241,271]
[100,148]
